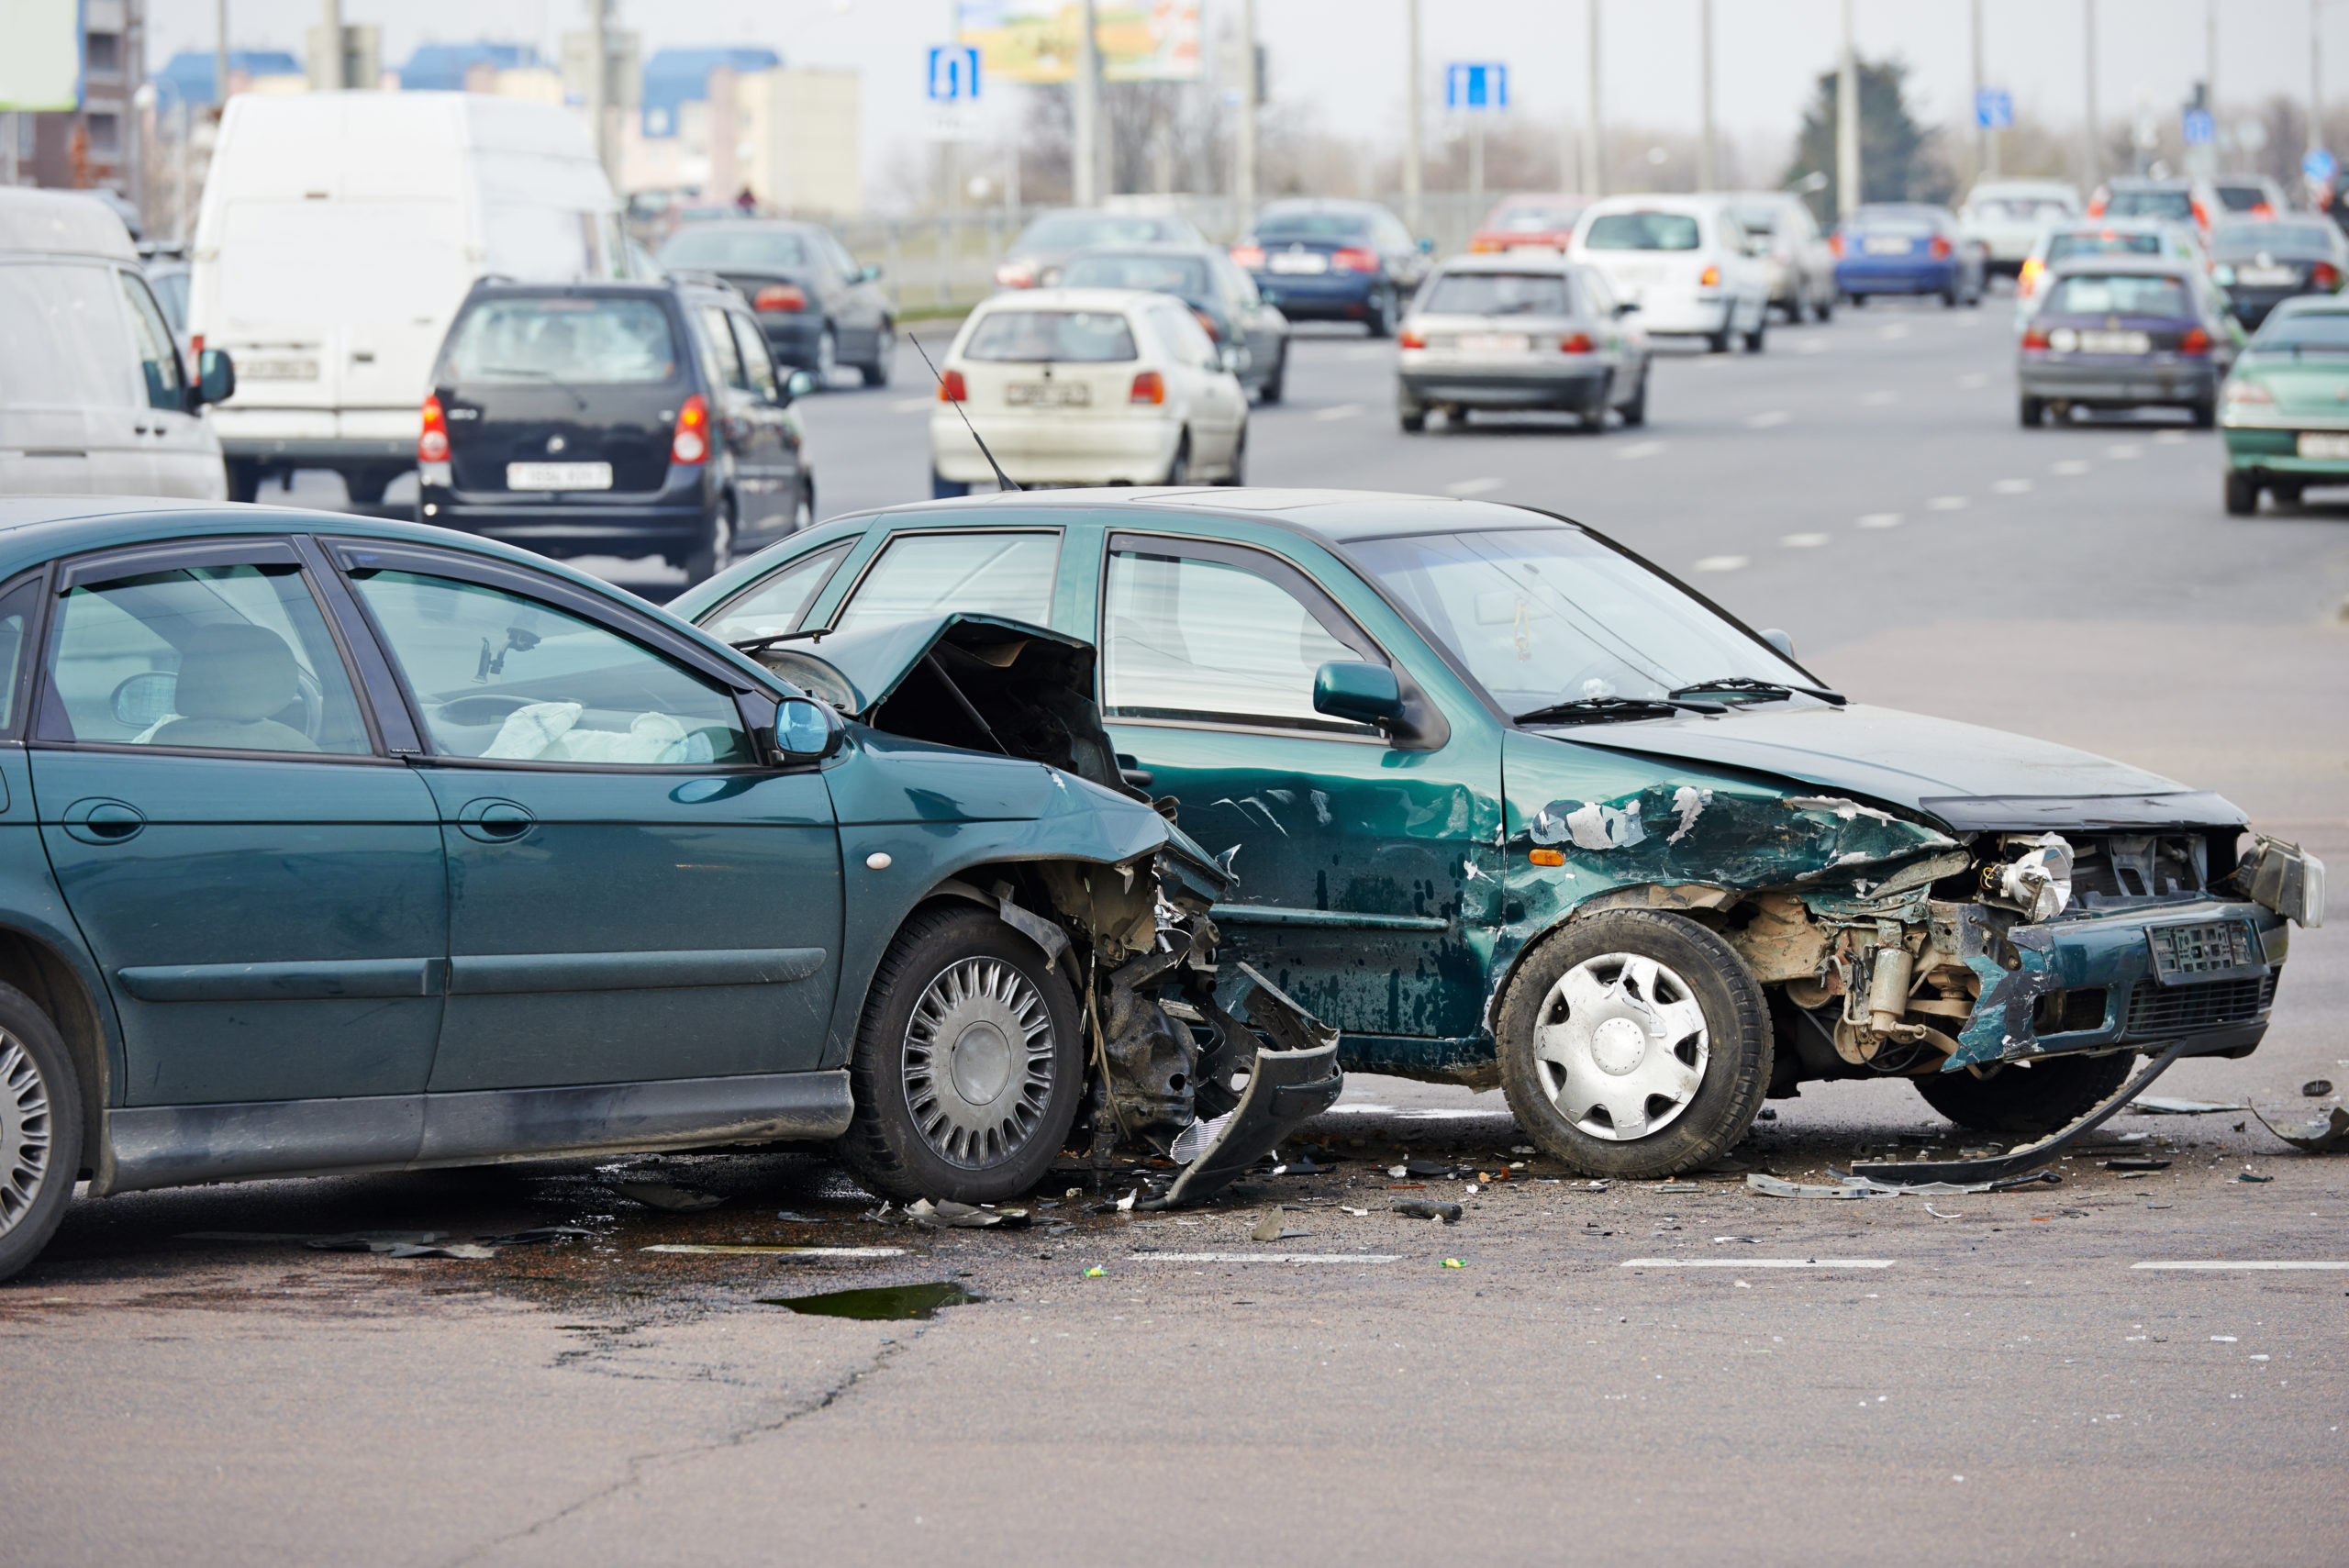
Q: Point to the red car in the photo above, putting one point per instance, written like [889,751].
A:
[1536,221]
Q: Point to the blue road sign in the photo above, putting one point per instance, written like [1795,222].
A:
[2318,164]
[1994,108]
[2201,130]
[1475,88]
[954,74]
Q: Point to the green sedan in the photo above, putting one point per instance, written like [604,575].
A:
[2285,411]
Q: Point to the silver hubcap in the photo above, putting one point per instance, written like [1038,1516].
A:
[24,1132]
[1621,1046]
[979,1062]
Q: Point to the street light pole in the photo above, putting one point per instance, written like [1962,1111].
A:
[2096,149]
[2316,79]
[1594,153]
[1847,123]
[220,56]
[1243,177]
[330,24]
[1413,212]
[1085,176]
[1984,138]
[1704,172]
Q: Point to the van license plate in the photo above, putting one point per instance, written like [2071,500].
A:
[557,476]
[2325,448]
[278,370]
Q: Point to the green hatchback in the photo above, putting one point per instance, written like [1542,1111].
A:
[2285,410]
[1510,806]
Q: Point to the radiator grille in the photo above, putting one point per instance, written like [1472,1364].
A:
[2163,1012]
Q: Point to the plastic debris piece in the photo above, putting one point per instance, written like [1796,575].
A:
[537,1234]
[1269,1228]
[1427,1209]
[667,1196]
[2328,1137]
[1424,1168]
[1681,1186]
[2153,1105]
[2317,1088]
[2136,1163]
[1754,1241]
[1352,1209]
[1755,1182]
[1095,1271]
[792,1217]
[1937,1214]
[2247,1176]
[1454,1263]
[751,1250]
[946,1213]
[1767,1113]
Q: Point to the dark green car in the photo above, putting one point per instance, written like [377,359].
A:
[334,845]
[2284,411]
[1510,805]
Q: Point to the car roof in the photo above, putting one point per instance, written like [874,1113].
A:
[61,223]
[1654,201]
[1186,249]
[2146,182]
[1066,299]
[1532,259]
[1333,517]
[1320,204]
[2310,304]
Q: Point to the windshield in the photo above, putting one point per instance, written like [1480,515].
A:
[1082,230]
[2116,294]
[2102,242]
[1307,225]
[1535,218]
[601,341]
[1498,294]
[1642,231]
[1183,276]
[1027,336]
[1756,219]
[722,247]
[170,292]
[2234,242]
[1546,614]
[2304,329]
[2150,204]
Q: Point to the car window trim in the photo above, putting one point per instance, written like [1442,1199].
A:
[19,730]
[725,606]
[1058,533]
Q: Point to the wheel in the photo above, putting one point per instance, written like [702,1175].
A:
[2026,1099]
[41,1129]
[365,486]
[244,479]
[1823,308]
[885,351]
[1973,300]
[803,516]
[1635,412]
[968,1067]
[2285,494]
[1239,474]
[2032,412]
[1178,467]
[1634,1043]
[2242,495]
[1411,418]
[2206,414]
[942,489]
[1717,342]
[1754,339]
[828,358]
[1382,320]
[716,551]
[1278,382]
[1949,297]
[1858,300]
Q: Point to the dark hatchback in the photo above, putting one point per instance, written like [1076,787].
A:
[2125,332]
[623,419]
[1252,334]
[819,307]
[1326,261]
[2262,264]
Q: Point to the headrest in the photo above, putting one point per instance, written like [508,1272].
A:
[236,671]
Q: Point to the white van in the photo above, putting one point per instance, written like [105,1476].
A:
[339,232]
[94,399]
[1685,262]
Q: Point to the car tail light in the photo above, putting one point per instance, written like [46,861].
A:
[2261,209]
[2201,214]
[1249,256]
[196,345]
[2028,279]
[1940,247]
[2035,338]
[2247,392]
[1710,278]
[2324,275]
[1835,244]
[1577,343]
[691,443]
[2095,203]
[2197,341]
[1412,341]
[432,441]
[1016,274]
[1148,387]
[1215,333]
[1353,258]
[951,388]
[780,296]
[1485,246]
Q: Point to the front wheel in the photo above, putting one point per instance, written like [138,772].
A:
[827,358]
[2242,495]
[1823,308]
[41,1129]
[2032,412]
[2206,414]
[968,1066]
[1634,1043]
[1382,316]
[1238,474]
[1755,338]
[1635,412]
[1276,383]
[1717,342]
[2026,1099]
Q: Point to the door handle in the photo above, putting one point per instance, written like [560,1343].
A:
[101,821]
[495,822]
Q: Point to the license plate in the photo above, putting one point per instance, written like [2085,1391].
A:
[557,476]
[2224,949]
[2323,446]
[278,370]
[1889,244]
[1298,262]
[1494,343]
[2115,343]
[1637,273]
[2266,277]
[1047,393]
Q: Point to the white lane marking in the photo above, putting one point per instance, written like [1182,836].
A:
[2071,467]
[1805,541]
[1881,520]
[1338,411]
[910,405]
[2170,438]
[1878,398]
[2121,451]
[1767,420]
[1359,1109]
[1476,486]
[779,1251]
[1814,346]
[1946,504]
[1639,449]
[2011,487]
[1721,563]
[2221,1268]
[1897,329]
[1266,1257]
[1758,1263]
[1974,380]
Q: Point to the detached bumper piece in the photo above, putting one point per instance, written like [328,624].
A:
[1291,1081]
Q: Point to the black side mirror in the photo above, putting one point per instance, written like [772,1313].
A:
[216,376]
[1366,693]
[1626,307]
[805,731]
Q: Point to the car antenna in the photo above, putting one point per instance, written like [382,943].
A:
[1000,477]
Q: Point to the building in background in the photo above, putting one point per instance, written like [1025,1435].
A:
[720,121]
[94,144]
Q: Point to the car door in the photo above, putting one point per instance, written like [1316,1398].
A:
[1368,874]
[1258,326]
[259,879]
[184,459]
[632,895]
[772,441]
[750,439]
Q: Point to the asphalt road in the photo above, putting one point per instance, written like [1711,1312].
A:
[1984,1379]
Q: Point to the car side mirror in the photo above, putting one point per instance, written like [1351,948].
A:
[1364,692]
[868,272]
[1427,245]
[216,376]
[146,699]
[798,384]
[1779,640]
[805,731]
[1625,308]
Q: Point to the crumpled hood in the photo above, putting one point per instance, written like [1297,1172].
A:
[1968,777]
[857,671]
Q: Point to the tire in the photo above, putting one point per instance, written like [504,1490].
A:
[1382,320]
[1712,1003]
[1717,342]
[885,353]
[1858,300]
[2285,494]
[41,1129]
[2205,415]
[2026,1100]
[1949,297]
[2242,495]
[1755,340]
[916,1135]
[365,486]
[803,516]
[2032,412]
[716,551]
[1276,383]
[1823,309]
[828,358]
[1178,467]
[1635,412]
[1413,420]
[942,489]
[244,479]
[1239,474]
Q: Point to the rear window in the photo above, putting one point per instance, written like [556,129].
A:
[1535,218]
[1184,275]
[1342,226]
[1498,294]
[2235,241]
[2150,204]
[1083,230]
[601,342]
[1642,231]
[1756,219]
[2304,329]
[2241,198]
[1067,337]
[723,249]
[2118,294]
[2021,209]
[2107,242]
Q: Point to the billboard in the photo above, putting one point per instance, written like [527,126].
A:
[41,66]
[1037,40]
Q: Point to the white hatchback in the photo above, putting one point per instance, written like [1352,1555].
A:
[1086,386]
[1683,261]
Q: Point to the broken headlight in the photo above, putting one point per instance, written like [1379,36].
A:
[2285,878]
[2037,882]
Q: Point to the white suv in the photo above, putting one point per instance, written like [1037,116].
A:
[1684,261]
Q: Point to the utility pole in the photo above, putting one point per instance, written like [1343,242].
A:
[1085,175]
[330,25]
[2095,147]
[1243,176]
[2316,79]
[1847,123]
[599,81]
[220,56]
[1705,172]
[2210,68]
[1414,211]
[1594,158]
[1984,139]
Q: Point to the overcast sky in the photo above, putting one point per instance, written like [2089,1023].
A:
[1346,57]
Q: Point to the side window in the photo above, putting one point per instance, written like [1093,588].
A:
[776,604]
[987,573]
[832,247]
[1237,284]
[721,359]
[506,678]
[758,365]
[227,657]
[1186,637]
[1597,296]
[158,355]
[68,344]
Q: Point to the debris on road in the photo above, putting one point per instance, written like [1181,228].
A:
[2317,1088]
[2248,1176]
[1427,1209]
[1773,1187]
[1937,1214]
[750,1250]
[2328,1137]
[2137,1163]
[1270,1228]
[2149,1104]
[946,1213]
[667,1196]
[392,1246]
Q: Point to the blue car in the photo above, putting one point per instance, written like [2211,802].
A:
[1327,261]
[1907,247]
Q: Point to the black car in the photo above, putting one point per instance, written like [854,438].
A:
[1252,335]
[614,419]
[1332,261]
[2262,264]
[820,308]
[1043,247]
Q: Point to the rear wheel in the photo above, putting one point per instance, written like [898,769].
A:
[2026,1099]
[1755,338]
[2206,414]
[1411,418]
[885,351]
[41,1129]
[715,552]
[1858,300]
[1823,309]
[1239,474]
[828,358]
[1635,412]
[2032,412]
[2242,495]
[244,479]
[1717,342]
[1278,382]
[1178,467]
[1382,316]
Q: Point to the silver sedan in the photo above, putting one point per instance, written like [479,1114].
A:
[1516,332]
